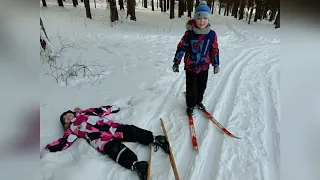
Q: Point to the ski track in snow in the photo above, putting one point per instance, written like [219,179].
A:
[243,97]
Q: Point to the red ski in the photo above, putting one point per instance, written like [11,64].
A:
[208,115]
[193,133]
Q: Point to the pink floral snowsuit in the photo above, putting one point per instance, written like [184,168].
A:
[87,127]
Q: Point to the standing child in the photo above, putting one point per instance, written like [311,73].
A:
[200,48]
[105,136]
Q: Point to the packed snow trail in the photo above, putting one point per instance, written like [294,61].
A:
[243,97]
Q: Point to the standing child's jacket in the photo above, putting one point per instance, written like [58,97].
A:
[199,47]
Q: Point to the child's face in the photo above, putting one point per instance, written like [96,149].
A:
[202,22]
[68,117]
[67,120]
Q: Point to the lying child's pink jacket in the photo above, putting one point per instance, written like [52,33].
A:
[91,124]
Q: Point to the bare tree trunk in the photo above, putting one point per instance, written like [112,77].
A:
[241,11]
[75,3]
[185,5]
[171,9]
[44,29]
[220,6]
[258,10]
[235,9]
[113,11]
[131,4]
[161,5]
[232,7]
[212,6]
[277,22]
[226,11]
[87,5]
[190,7]
[168,3]
[263,7]
[43,42]
[44,3]
[152,5]
[60,2]
[121,4]
[266,8]
[157,4]
[164,5]
[180,9]
[251,10]
[128,9]
[145,3]
[273,13]
[250,15]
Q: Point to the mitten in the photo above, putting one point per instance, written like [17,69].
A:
[44,152]
[216,69]
[175,68]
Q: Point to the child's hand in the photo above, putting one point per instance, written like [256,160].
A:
[216,69]
[44,152]
[175,68]
[76,109]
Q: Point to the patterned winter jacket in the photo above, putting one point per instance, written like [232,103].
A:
[92,125]
[199,47]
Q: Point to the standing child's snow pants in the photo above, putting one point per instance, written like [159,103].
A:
[195,87]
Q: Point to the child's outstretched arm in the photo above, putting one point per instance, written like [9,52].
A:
[62,143]
[215,51]
[181,48]
[100,111]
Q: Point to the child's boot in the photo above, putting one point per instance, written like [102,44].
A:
[141,167]
[201,106]
[162,142]
[190,111]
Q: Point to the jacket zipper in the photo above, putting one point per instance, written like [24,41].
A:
[206,47]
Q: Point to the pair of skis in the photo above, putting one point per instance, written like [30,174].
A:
[173,164]
[193,138]
[210,117]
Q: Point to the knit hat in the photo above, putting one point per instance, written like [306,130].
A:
[61,116]
[202,11]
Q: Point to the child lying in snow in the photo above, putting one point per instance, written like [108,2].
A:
[105,136]
[200,46]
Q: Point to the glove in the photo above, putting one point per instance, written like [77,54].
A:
[44,152]
[115,109]
[76,109]
[175,68]
[216,69]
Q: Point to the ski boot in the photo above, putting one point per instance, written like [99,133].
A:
[201,106]
[162,142]
[190,111]
[141,167]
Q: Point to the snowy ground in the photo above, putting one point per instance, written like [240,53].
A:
[244,96]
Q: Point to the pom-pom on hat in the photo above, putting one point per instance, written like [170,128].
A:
[202,11]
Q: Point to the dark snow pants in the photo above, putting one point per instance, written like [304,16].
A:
[196,85]
[121,154]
